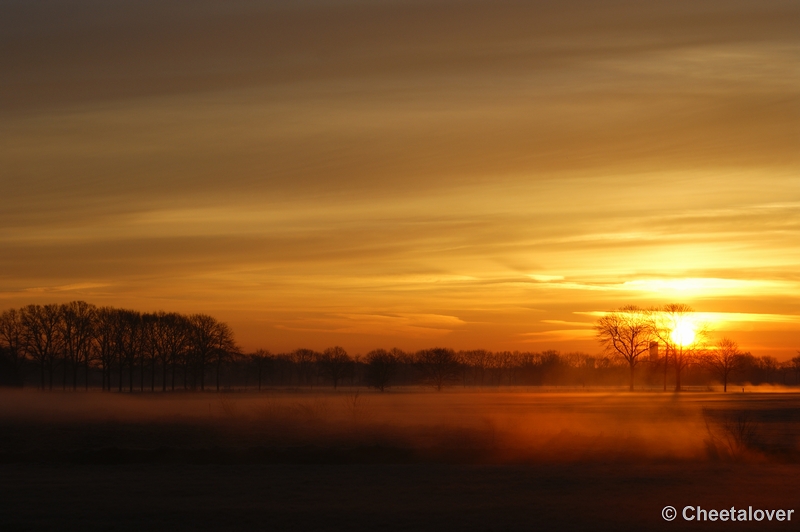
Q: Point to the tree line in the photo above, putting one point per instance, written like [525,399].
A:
[72,344]
[78,345]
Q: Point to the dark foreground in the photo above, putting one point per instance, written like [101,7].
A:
[403,461]
[375,497]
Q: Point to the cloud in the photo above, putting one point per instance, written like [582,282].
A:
[558,335]
[413,326]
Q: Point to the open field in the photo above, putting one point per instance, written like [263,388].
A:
[402,460]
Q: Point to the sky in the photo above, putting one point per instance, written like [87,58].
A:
[379,173]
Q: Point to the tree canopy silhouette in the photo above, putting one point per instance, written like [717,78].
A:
[626,333]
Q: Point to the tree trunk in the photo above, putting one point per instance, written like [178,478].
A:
[632,370]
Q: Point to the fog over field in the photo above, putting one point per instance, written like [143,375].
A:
[408,425]
[407,459]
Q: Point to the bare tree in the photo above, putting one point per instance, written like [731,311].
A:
[211,343]
[769,367]
[41,337]
[76,329]
[262,359]
[224,348]
[202,344]
[105,346]
[166,340]
[626,333]
[303,360]
[381,368]
[723,359]
[151,325]
[794,365]
[684,337]
[439,366]
[334,364]
[12,341]
[478,361]
[127,343]
[176,345]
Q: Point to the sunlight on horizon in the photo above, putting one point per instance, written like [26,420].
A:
[684,332]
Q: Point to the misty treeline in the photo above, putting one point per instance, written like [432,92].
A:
[673,339]
[78,345]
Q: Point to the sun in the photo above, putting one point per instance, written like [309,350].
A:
[683,333]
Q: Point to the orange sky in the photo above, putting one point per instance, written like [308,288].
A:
[381,173]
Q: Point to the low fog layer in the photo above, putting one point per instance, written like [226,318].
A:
[481,427]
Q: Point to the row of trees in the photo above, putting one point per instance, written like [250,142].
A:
[672,337]
[79,345]
[440,367]
[72,342]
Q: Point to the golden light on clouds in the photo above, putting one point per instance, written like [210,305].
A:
[402,173]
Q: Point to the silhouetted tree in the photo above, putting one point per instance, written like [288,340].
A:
[201,338]
[224,348]
[669,321]
[76,329]
[439,366]
[723,359]
[12,343]
[105,336]
[794,364]
[769,367]
[175,344]
[151,332]
[334,364]
[128,343]
[303,360]
[41,337]
[478,361]
[262,359]
[381,368]
[626,333]
[211,343]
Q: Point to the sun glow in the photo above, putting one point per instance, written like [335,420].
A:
[683,333]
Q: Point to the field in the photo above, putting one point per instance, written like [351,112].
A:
[408,459]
